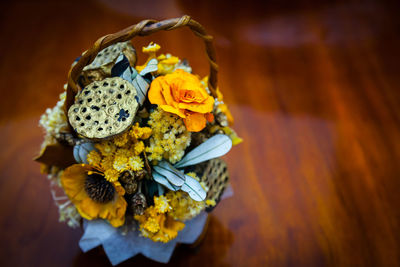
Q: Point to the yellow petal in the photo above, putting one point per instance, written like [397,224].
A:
[205,107]
[73,180]
[170,109]
[195,122]
[169,91]
[155,92]
[89,209]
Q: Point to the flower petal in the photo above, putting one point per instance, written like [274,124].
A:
[195,122]
[176,111]
[155,92]
[205,107]
[73,180]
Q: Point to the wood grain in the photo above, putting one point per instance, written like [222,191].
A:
[314,88]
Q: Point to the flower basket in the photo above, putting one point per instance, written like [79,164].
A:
[134,150]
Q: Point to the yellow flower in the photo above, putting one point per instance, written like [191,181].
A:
[111,175]
[152,225]
[166,64]
[107,162]
[137,132]
[183,94]
[138,147]
[80,183]
[156,224]
[169,137]
[136,163]
[121,140]
[124,152]
[151,50]
[94,158]
[183,206]
[161,204]
[121,163]
[106,148]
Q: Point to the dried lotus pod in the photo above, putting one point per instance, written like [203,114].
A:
[101,66]
[104,108]
[214,174]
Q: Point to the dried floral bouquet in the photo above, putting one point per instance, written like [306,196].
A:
[136,145]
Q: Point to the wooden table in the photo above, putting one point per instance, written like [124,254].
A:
[314,88]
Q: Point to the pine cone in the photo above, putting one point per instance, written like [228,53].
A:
[138,204]
[131,187]
[139,175]
[99,189]
[126,178]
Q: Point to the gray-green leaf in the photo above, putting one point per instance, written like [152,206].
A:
[150,67]
[162,180]
[81,151]
[141,87]
[173,175]
[194,189]
[215,147]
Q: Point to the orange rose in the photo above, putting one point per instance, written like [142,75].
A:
[182,93]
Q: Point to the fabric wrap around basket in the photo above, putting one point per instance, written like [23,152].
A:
[120,247]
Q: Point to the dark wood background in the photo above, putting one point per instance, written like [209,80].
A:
[314,88]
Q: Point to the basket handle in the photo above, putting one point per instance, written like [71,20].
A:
[143,28]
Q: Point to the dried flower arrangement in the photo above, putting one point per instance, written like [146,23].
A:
[138,146]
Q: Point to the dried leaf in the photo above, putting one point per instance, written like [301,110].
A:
[123,69]
[81,151]
[215,147]
[56,155]
[194,189]
[164,181]
[150,67]
[142,87]
[174,176]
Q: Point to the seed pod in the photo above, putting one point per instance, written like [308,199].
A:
[101,66]
[215,176]
[99,189]
[104,109]
[126,178]
[131,187]
[139,175]
[138,204]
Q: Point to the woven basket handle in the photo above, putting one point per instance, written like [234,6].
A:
[143,28]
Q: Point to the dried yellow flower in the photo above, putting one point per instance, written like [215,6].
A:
[111,175]
[94,158]
[136,163]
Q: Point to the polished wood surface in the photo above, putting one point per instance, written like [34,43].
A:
[313,86]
